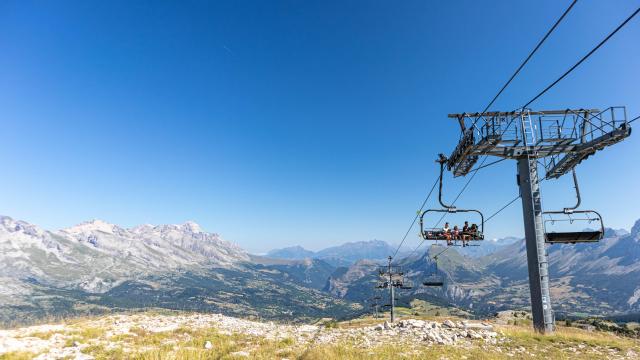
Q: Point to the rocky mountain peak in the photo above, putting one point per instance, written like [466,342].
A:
[192,226]
[8,224]
[635,230]
[188,229]
[91,226]
[143,228]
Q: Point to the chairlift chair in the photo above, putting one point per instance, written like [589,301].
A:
[434,279]
[384,270]
[406,285]
[573,237]
[437,234]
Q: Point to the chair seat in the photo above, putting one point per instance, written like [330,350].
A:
[433,280]
[573,237]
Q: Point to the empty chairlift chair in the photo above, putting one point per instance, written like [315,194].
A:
[434,279]
[405,284]
[572,217]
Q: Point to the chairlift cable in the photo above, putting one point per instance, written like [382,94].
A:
[506,205]
[526,60]
[566,73]
[530,55]
[417,247]
[489,218]
[502,208]
[535,49]
[583,58]
[634,119]
[461,191]
[489,164]
[591,52]
[441,252]
[415,218]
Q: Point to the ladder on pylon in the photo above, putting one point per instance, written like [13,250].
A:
[528,128]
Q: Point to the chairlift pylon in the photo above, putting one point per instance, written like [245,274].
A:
[573,237]
[439,234]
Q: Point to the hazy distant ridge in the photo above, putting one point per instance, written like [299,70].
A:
[341,255]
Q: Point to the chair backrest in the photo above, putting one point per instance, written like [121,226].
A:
[573,237]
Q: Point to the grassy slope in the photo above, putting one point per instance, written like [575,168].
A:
[183,343]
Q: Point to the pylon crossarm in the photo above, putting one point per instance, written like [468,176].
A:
[566,137]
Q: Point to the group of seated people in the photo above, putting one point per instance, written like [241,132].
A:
[467,233]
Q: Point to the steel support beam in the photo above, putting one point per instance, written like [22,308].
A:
[528,182]
[392,295]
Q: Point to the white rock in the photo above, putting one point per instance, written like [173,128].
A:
[473,335]
[449,324]
[208,345]
[478,326]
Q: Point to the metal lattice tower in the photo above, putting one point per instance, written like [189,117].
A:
[392,277]
[560,139]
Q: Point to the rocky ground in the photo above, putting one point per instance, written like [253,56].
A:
[184,336]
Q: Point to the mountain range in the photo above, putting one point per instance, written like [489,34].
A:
[97,267]
[378,250]
[593,278]
[342,255]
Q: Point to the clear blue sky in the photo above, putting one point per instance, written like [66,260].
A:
[290,122]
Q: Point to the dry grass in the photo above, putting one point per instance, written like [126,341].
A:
[188,344]
[18,355]
[566,336]
[520,343]
[344,351]
[44,335]
[517,342]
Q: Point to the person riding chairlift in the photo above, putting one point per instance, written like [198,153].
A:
[473,232]
[446,231]
[466,235]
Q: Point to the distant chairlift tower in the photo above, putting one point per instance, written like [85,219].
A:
[561,139]
[392,277]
